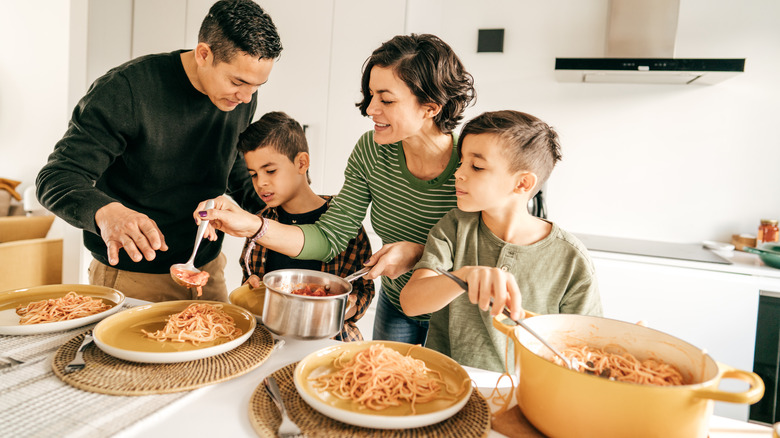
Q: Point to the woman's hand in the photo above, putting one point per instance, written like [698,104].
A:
[228,217]
[394,259]
[486,283]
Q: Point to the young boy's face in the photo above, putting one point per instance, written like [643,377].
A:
[275,178]
[483,181]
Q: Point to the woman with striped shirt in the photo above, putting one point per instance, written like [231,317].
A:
[415,89]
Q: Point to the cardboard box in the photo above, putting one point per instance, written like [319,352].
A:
[27,257]
[23,227]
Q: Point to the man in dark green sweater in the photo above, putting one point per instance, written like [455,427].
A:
[152,138]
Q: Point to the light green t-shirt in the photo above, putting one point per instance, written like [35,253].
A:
[555,275]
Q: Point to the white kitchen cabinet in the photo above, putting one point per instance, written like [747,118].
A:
[707,306]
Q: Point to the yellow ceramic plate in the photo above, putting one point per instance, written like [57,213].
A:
[121,335]
[250,299]
[9,300]
[321,362]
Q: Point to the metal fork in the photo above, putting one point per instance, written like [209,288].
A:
[78,362]
[505,311]
[287,429]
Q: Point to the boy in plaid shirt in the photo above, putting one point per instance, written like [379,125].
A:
[277,157]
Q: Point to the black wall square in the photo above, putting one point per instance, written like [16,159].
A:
[490,40]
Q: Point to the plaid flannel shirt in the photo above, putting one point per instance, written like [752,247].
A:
[349,261]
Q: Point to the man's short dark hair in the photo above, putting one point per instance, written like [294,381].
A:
[234,26]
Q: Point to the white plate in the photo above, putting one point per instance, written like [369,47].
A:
[717,246]
[347,411]
[121,335]
[9,300]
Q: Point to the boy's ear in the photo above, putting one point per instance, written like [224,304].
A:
[302,162]
[526,182]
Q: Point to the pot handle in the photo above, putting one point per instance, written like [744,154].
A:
[498,322]
[750,396]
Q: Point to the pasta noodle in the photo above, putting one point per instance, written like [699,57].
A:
[623,367]
[196,324]
[379,377]
[71,306]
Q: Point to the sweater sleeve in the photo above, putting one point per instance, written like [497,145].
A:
[97,134]
[340,224]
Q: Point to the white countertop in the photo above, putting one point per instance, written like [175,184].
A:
[219,410]
[741,262]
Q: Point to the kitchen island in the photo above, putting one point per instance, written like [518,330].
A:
[42,405]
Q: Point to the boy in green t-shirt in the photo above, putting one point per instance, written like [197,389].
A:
[493,243]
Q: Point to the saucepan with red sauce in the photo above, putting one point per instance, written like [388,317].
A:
[305,304]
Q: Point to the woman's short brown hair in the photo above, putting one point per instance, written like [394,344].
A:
[529,144]
[430,68]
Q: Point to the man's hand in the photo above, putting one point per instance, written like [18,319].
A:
[121,227]
[394,259]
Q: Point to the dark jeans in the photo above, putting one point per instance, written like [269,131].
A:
[392,325]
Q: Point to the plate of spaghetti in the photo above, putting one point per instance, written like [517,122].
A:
[375,383]
[174,331]
[57,307]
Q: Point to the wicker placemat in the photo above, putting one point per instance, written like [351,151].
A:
[106,374]
[472,421]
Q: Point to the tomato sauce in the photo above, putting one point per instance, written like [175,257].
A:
[312,290]
[193,279]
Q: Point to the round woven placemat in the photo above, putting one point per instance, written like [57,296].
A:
[472,421]
[106,374]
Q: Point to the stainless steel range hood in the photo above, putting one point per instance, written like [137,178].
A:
[640,49]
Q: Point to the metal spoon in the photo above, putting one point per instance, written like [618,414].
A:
[505,311]
[190,266]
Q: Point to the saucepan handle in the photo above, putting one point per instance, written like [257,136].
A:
[749,396]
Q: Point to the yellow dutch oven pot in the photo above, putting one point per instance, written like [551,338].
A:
[565,403]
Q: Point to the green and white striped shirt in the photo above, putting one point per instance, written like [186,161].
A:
[403,207]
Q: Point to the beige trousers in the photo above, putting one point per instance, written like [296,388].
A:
[160,287]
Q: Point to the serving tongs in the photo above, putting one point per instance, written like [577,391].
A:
[505,311]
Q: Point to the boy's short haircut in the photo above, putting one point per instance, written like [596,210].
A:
[278,130]
[234,26]
[529,144]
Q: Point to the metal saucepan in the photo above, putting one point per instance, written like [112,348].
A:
[564,402]
[301,316]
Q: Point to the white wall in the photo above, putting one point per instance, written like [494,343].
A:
[33,84]
[664,162]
